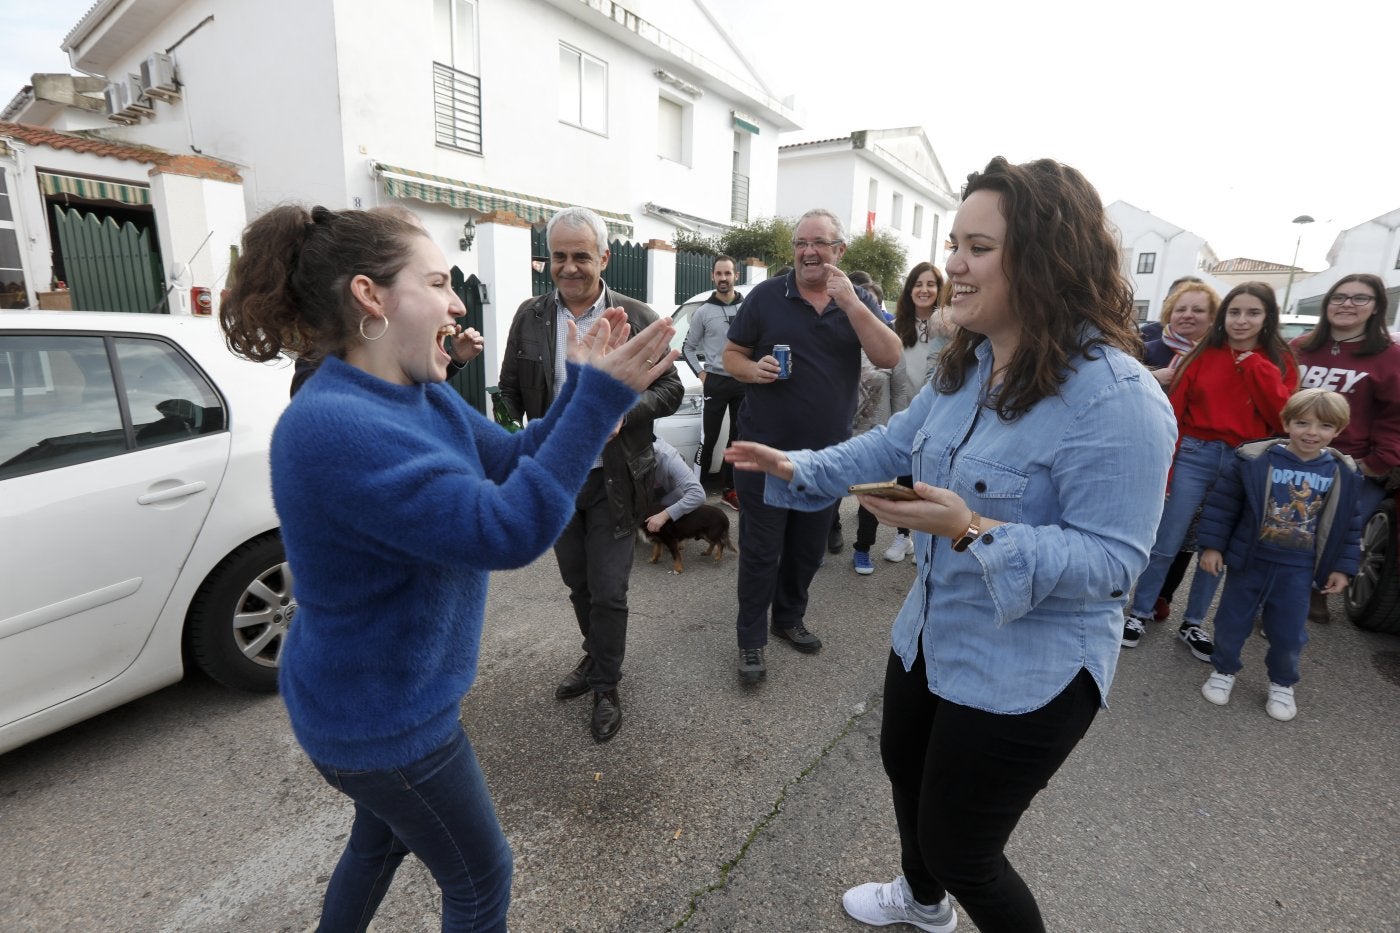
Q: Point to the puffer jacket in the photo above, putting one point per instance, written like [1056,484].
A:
[1244,489]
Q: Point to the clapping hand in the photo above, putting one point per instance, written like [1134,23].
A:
[638,361]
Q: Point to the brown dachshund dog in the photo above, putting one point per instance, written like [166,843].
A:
[706,523]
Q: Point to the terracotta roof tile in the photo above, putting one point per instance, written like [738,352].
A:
[158,159]
[1250,265]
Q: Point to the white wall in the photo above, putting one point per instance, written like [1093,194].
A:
[1372,247]
[1178,252]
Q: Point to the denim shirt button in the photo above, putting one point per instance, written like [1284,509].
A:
[980,486]
[987,538]
[1116,594]
[801,487]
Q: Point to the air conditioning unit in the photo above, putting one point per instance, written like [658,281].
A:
[139,104]
[118,98]
[158,77]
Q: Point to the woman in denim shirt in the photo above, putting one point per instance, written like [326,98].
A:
[1030,451]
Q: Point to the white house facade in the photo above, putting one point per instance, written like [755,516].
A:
[1373,247]
[646,112]
[1156,253]
[873,180]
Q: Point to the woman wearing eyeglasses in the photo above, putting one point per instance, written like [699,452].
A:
[1351,352]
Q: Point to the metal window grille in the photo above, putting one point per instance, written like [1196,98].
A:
[739,199]
[457,108]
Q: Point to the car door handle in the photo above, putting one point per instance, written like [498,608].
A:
[174,492]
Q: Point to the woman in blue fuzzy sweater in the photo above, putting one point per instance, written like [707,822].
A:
[374,457]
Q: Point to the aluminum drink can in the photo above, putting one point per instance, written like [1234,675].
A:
[783,354]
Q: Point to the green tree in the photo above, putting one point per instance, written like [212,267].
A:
[768,239]
[882,255]
[688,241]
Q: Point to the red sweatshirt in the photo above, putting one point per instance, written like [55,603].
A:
[1218,399]
[1371,385]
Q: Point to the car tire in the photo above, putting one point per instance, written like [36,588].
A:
[1373,596]
[239,618]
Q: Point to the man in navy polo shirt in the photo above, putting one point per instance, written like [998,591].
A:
[826,321]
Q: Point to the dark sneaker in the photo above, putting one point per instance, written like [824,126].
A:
[799,638]
[751,666]
[861,561]
[883,904]
[1132,631]
[731,499]
[835,542]
[1197,640]
[575,683]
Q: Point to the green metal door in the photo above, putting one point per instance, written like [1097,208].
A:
[109,267]
[692,274]
[471,381]
[627,269]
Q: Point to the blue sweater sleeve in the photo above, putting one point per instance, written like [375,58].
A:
[398,483]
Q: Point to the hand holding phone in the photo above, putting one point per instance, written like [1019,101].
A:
[887,490]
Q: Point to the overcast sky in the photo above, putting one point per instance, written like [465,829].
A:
[1226,117]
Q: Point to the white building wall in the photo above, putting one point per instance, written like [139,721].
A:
[1177,252]
[1373,247]
[827,181]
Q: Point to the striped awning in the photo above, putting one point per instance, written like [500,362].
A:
[52,183]
[435,189]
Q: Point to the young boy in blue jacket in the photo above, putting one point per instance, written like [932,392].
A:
[1285,515]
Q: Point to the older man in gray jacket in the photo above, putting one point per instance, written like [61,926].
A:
[595,550]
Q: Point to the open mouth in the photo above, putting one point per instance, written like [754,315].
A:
[446,332]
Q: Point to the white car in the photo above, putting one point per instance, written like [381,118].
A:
[1291,326]
[682,430]
[136,508]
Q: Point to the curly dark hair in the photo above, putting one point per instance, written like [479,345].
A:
[1067,288]
[1374,339]
[904,317]
[292,290]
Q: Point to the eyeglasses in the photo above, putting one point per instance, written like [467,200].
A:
[816,244]
[1360,301]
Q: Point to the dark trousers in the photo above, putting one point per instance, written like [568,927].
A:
[1279,595]
[961,779]
[722,394]
[867,523]
[779,553]
[596,565]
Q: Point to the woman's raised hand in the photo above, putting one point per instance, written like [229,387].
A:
[638,361]
[758,458]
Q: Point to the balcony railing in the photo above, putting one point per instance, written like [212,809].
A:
[457,108]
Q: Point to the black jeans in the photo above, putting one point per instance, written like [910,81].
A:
[596,567]
[779,553]
[722,393]
[961,779]
[867,523]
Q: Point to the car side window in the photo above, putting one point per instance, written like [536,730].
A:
[168,398]
[58,403]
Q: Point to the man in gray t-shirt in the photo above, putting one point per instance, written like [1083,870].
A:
[703,350]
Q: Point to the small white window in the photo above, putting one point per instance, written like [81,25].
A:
[918,227]
[583,89]
[873,201]
[670,129]
[897,211]
[454,34]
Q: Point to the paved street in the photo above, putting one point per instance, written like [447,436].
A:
[720,809]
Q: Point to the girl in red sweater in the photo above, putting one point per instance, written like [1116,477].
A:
[1228,390]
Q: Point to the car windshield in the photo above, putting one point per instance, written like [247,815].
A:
[681,321]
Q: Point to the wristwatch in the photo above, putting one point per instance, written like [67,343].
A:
[974,528]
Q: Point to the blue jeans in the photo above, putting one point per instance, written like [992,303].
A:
[1280,594]
[1195,469]
[438,808]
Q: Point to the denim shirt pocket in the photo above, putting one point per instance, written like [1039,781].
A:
[990,488]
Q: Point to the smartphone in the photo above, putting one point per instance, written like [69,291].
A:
[890,490]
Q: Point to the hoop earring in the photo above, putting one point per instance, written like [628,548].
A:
[376,337]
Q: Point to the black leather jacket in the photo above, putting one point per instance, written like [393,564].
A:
[527,376]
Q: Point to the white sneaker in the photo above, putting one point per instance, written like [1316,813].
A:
[883,904]
[1217,688]
[899,549]
[1280,704]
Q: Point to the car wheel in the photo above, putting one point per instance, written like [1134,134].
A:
[1373,597]
[239,618]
